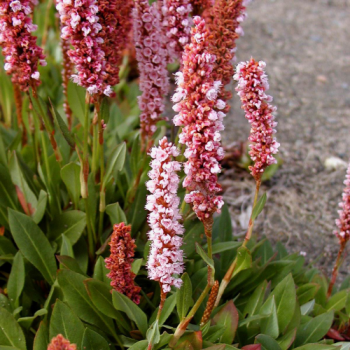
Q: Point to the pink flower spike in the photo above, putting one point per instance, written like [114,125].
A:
[165,259]
[201,117]
[177,25]
[343,222]
[19,45]
[251,88]
[151,54]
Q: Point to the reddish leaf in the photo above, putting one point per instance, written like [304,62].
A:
[252,347]
[27,207]
[2,230]
[194,339]
[334,334]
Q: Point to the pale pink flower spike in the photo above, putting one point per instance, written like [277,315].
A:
[165,261]
[251,88]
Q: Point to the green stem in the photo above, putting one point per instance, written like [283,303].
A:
[227,278]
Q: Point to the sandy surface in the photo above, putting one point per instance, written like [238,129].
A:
[305,44]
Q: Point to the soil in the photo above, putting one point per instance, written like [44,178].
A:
[305,44]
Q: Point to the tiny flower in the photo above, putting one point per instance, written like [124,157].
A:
[343,222]
[252,85]
[60,343]
[120,260]
[165,261]
[201,119]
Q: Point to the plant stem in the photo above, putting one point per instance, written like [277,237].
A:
[227,278]
[336,267]
[181,328]
[102,206]
[85,159]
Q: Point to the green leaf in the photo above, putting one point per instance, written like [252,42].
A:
[259,206]
[287,339]
[26,196]
[94,341]
[101,271]
[168,308]
[225,246]
[267,342]
[104,110]
[315,329]
[70,175]
[33,244]
[204,256]
[16,280]
[66,247]
[70,223]
[41,207]
[136,265]
[64,321]
[76,295]
[70,263]
[115,163]
[256,300]
[153,335]
[192,236]
[115,213]
[140,345]
[62,126]
[7,190]
[307,292]
[41,340]
[123,303]
[228,317]
[26,322]
[184,296]
[308,307]
[343,346]
[285,297]
[244,260]
[101,296]
[316,347]
[11,333]
[270,325]
[337,301]
[76,100]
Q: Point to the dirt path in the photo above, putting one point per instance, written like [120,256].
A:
[305,44]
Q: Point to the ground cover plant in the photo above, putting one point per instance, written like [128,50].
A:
[113,230]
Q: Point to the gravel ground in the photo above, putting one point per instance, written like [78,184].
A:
[305,44]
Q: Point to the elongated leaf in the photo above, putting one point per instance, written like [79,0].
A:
[115,163]
[64,321]
[225,246]
[244,260]
[94,341]
[70,263]
[168,308]
[287,339]
[315,329]
[337,301]
[41,207]
[308,307]
[123,303]
[71,224]
[7,190]
[256,300]
[11,333]
[26,322]
[184,298]
[66,247]
[136,266]
[100,271]
[228,317]
[16,280]
[104,110]
[41,340]
[75,293]
[76,100]
[115,213]
[317,347]
[62,126]
[33,244]
[270,325]
[259,206]
[153,335]
[70,174]
[307,292]
[204,256]
[267,342]
[285,298]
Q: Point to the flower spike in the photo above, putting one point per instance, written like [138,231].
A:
[60,343]
[251,88]
[165,258]
[120,260]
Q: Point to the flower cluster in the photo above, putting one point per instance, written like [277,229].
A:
[165,257]
[251,88]
[343,222]
[81,26]
[177,24]
[151,55]
[119,262]
[200,114]
[226,17]
[21,52]
[60,343]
